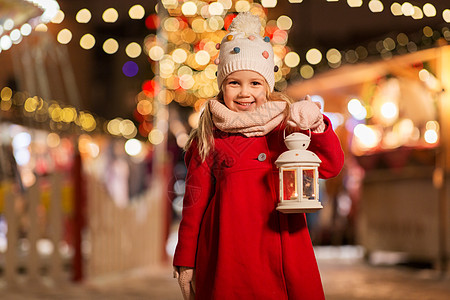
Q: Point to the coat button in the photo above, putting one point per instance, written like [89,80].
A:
[262,157]
[228,162]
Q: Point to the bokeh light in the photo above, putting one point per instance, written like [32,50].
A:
[130,69]
[110,15]
[83,16]
[64,36]
[136,12]
[110,46]
[87,41]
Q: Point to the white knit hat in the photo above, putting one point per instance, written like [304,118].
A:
[243,48]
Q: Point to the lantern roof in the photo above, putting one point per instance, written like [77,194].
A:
[298,156]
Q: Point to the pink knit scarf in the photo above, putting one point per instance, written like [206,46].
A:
[253,123]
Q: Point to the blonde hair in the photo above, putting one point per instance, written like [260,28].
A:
[203,134]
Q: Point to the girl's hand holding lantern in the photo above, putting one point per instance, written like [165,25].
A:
[306,114]
[186,280]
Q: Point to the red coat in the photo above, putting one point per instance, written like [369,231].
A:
[240,246]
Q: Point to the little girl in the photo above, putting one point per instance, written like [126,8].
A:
[233,243]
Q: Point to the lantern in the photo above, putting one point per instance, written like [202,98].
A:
[299,176]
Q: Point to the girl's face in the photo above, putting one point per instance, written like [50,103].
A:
[244,91]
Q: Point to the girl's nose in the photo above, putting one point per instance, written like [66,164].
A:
[244,91]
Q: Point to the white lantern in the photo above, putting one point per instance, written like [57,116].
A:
[299,176]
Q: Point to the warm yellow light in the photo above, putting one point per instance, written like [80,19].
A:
[144,107]
[126,127]
[58,18]
[424,75]
[407,9]
[269,3]
[133,50]
[242,6]
[156,136]
[113,126]
[292,59]
[110,15]
[53,140]
[396,9]
[110,46]
[87,121]
[446,15]
[87,41]
[136,12]
[199,25]
[68,114]
[64,36]
[402,39]
[418,14]
[306,71]
[429,10]
[432,125]
[226,3]
[202,57]
[41,28]
[170,4]
[171,24]
[216,9]
[156,53]
[6,93]
[83,16]
[376,6]
[427,31]
[30,104]
[334,56]
[354,3]
[313,56]
[187,81]
[284,22]
[295,1]
[189,8]
[179,56]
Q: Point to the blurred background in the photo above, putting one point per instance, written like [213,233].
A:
[98,99]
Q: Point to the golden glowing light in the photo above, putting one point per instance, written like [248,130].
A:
[333,56]
[446,15]
[407,9]
[354,3]
[64,36]
[136,12]
[110,46]
[202,57]
[110,15]
[144,107]
[133,50]
[53,140]
[31,104]
[87,121]
[58,18]
[418,14]
[41,28]
[189,8]
[376,6]
[26,29]
[366,135]
[389,110]
[284,22]
[292,59]
[87,41]
[83,16]
[396,9]
[356,109]
[156,136]
[429,10]
[313,56]
[269,3]
[156,53]
[6,94]
[306,71]
[242,6]
[215,9]
[179,55]
[113,126]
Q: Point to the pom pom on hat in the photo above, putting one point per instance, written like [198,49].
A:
[247,23]
[243,48]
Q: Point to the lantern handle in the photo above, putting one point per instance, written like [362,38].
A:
[284,133]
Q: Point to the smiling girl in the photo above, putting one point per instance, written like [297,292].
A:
[233,243]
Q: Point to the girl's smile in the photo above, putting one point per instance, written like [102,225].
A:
[244,91]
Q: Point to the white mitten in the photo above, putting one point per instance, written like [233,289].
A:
[186,280]
[306,115]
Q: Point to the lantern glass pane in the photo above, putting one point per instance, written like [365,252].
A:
[309,186]
[290,184]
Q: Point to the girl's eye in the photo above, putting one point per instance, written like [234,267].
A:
[256,83]
[233,82]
